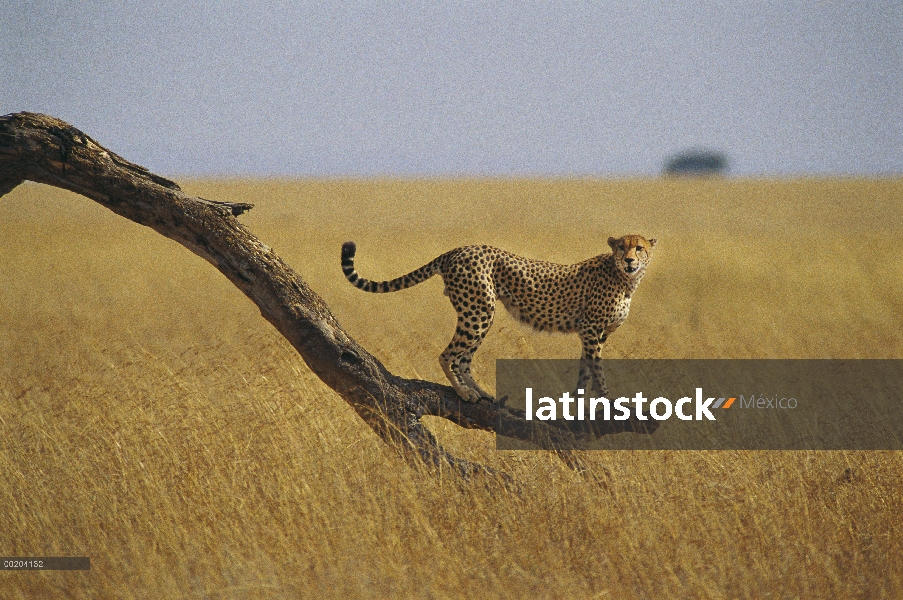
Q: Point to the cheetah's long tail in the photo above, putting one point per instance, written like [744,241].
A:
[405,281]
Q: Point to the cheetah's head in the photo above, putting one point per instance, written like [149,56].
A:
[631,253]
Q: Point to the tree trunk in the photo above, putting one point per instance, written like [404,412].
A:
[46,150]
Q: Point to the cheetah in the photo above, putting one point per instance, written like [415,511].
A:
[590,298]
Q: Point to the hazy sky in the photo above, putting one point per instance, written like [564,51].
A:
[466,88]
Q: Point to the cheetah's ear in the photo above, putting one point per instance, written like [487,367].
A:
[652,243]
[612,242]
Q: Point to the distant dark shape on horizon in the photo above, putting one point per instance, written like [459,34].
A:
[697,162]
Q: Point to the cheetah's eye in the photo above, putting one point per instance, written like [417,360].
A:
[639,248]
[623,247]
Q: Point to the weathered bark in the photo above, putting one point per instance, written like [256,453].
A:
[46,150]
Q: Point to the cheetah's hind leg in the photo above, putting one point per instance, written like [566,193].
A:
[470,381]
[465,386]
[456,365]
[456,359]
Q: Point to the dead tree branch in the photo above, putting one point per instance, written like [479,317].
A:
[46,150]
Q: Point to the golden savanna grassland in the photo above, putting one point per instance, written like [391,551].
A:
[152,420]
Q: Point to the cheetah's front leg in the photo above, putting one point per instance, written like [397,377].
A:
[591,361]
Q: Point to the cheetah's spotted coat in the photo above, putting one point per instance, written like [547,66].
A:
[591,298]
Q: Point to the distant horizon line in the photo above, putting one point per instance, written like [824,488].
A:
[535,177]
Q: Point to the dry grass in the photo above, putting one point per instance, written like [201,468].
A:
[154,422]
